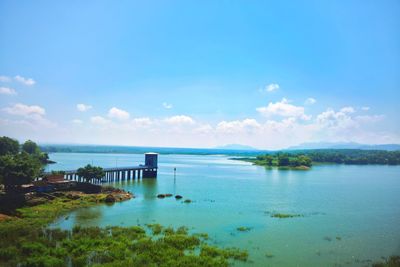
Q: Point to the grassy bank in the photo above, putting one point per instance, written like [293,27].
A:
[25,240]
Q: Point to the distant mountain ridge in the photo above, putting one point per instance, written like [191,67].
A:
[235,147]
[345,145]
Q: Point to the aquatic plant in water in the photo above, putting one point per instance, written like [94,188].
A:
[243,229]
[25,241]
[392,261]
[285,215]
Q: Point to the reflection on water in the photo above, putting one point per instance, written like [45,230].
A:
[149,188]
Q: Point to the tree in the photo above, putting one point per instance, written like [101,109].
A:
[304,161]
[269,159]
[8,146]
[90,172]
[18,169]
[283,160]
[31,148]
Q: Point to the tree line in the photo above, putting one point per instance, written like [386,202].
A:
[339,156]
[353,156]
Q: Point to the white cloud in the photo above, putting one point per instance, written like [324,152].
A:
[310,101]
[203,129]
[347,110]
[167,106]
[5,79]
[7,91]
[99,120]
[284,109]
[25,81]
[369,119]
[365,108]
[83,107]
[179,119]
[142,122]
[33,116]
[332,119]
[117,113]
[77,121]
[25,110]
[247,125]
[340,125]
[271,87]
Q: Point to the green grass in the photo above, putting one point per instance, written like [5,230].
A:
[27,241]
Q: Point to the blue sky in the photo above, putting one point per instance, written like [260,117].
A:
[190,73]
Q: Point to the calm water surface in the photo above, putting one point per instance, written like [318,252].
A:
[351,213]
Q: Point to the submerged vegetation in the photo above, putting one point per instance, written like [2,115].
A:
[392,261]
[285,215]
[26,240]
[243,229]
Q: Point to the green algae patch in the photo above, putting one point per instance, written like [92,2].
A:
[243,229]
[392,261]
[203,236]
[269,255]
[155,228]
[226,253]
[27,241]
[285,215]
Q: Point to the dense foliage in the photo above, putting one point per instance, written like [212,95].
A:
[26,242]
[341,156]
[353,156]
[33,149]
[283,160]
[19,167]
[8,146]
[90,172]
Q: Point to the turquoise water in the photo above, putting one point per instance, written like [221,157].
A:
[351,213]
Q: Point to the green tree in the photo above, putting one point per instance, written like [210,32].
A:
[18,169]
[90,172]
[295,162]
[8,146]
[268,159]
[31,148]
[283,160]
[304,161]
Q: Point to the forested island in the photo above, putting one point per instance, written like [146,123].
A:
[303,159]
[281,160]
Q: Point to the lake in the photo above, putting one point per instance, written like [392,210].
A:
[350,215]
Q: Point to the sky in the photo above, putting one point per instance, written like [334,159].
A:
[268,74]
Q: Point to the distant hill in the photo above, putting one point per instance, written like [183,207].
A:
[348,145]
[235,147]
